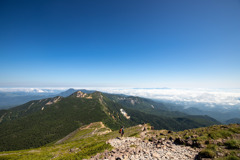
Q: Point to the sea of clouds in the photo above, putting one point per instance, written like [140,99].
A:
[34,90]
[211,97]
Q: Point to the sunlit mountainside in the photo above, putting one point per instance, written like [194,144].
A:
[43,121]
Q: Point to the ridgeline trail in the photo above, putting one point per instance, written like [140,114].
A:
[132,148]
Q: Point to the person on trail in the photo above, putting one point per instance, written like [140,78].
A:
[121,131]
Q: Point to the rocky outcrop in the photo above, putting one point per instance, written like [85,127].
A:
[124,113]
[197,144]
[54,100]
[83,95]
[135,149]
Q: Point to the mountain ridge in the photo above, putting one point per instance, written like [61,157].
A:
[39,122]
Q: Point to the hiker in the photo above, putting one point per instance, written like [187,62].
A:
[121,131]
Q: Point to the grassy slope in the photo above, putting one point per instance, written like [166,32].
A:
[218,141]
[84,143]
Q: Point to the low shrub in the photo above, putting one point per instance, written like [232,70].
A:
[231,158]
[213,147]
[233,144]
[207,153]
[220,134]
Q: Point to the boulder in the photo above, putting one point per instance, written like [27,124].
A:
[163,139]
[178,141]
[219,141]
[170,131]
[197,144]
[194,136]
[155,154]
[158,146]
[188,142]
[220,154]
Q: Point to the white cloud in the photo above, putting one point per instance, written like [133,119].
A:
[32,90]
[210,96]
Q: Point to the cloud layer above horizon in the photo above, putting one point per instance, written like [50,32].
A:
[229,97]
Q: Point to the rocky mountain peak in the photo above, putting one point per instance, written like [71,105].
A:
[80,94]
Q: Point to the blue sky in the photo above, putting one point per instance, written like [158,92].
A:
[136,43]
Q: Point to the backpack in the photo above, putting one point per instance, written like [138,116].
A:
[120,131]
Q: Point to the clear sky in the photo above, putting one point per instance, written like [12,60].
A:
[125,43]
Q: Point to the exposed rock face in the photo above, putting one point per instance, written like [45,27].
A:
[136,149]
[124,113]
[1,118]
[83,95]
[55,100]
[133,102]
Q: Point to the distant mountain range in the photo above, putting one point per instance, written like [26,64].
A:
[12,99]
[222,115]
[40,122]
[234,120]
